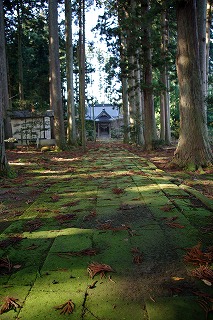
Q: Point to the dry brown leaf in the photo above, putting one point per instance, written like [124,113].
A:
[66,308]
[137,259]
[95,268]
[197,256]
[55,197]
[167,208]
[10,303]
[32,225]
[175,225]
[62,218]
[90,216]
[203,273]
[13,240]
[71,204]
[118,190]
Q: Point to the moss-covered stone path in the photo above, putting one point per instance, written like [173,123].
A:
[115,208]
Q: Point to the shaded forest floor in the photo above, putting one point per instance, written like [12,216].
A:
[116,211]
[201,181]
[19,158]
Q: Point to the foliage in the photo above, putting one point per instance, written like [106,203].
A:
[34,38]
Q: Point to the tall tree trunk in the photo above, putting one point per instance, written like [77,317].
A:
[125,109]
[208,30]
[193,148]
[131,96]
[82,70]
[139,108]
[150,133]
[55,76]
[201,23]
[131,56]
[122,14]
[20,58]
[4,100]
[165,131]
[71,125]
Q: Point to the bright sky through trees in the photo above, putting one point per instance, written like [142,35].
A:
[96,87]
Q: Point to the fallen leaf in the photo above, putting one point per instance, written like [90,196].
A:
[10,303]
[197,256]
[32,225]
[66,308]
[13,240]
[55,197]
[95,268]
[204,273]
[118,190]
[174,225]
[177,278]
[90,216]
[62,218]
[137,259]
[17,266]
[208,283]
[167,208]
[71,204]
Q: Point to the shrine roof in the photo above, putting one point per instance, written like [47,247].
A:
[105,111]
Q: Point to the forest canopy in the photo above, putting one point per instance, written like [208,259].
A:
[156,68]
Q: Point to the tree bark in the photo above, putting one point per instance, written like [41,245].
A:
[131,96]
[20,58]
[71,125]
[208,31]
[4,100]
[139,108]
[201,22]
[165,131]
[82,71]
[55,76]
[150,133]
[124,73]
[193,148]
[125,109]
